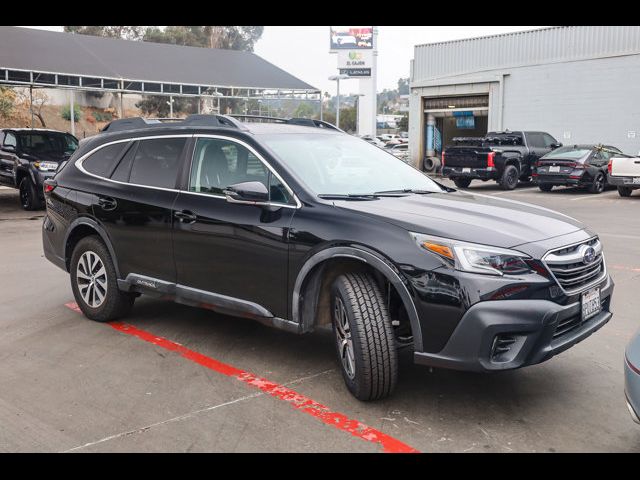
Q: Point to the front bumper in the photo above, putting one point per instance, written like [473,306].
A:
[527,326]
[632,391]
[486,173]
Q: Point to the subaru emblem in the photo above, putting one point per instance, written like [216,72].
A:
[589,255]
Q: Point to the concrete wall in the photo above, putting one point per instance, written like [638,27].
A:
[581,101]
[60,97]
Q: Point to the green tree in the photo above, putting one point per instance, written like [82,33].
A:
[403,124]
[305,110]
[7,100]
[403,86]
[126,32]
[348,119]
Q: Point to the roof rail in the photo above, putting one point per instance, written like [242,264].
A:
[136,123]
[306,122]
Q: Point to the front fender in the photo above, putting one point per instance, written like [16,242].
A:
[379,263]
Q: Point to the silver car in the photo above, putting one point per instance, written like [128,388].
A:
[632,377]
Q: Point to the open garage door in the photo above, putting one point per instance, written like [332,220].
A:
[453,116]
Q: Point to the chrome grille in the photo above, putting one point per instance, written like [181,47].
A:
[568,266]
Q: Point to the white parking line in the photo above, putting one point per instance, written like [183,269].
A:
[514,191]
[596,196]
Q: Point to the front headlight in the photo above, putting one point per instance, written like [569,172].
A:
[472,257]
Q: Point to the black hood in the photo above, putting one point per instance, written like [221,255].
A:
[471,218]
[45,156]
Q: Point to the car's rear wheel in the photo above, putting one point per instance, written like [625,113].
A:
[545,187]
[597,184]
[509,179]
[625,191]
[29,195]
[364,337]
[95,284]
[462,182]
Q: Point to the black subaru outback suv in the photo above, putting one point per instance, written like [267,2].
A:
[301,227]
[28,156]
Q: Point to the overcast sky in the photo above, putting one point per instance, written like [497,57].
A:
[304,51]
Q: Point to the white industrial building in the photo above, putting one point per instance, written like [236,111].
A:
[579,83]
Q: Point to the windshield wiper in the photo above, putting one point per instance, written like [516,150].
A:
[404,190]
[348,196]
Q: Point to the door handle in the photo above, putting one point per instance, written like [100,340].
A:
[107,203]
[185,216]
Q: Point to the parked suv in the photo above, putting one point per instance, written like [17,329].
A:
[303,227]
[505,157]
[29,156]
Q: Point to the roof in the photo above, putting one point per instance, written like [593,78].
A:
[27,129]
[518,49]
[74,54]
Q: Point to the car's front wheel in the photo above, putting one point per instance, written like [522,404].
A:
[29,198]
[95,284]
[364,337]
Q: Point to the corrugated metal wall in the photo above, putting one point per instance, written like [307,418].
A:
[523,48]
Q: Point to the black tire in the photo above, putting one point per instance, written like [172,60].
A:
[115,304]
[545,187]
[375,358]
[462,182]
[597,184]
[29,198]
[510,176]
[625,191]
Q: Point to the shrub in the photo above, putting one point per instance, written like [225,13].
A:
[7,100]
[77,113]
[102,116]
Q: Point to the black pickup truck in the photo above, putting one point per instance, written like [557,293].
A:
[505,157]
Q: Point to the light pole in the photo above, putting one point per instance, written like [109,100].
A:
[259,108]
[357,102]
[337,78]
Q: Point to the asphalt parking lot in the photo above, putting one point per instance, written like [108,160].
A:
[176,378]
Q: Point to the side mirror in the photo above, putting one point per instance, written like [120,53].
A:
[556,145]
[252,193]
[9,148]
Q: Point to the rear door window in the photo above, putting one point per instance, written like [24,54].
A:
[156,162]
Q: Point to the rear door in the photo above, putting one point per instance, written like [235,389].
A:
[133,203]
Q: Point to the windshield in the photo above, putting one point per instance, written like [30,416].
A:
[58,144]
[345,165]
[568,152]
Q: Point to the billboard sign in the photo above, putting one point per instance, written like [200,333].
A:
[351,38]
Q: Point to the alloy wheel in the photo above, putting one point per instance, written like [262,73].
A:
[91,278]
[343,337]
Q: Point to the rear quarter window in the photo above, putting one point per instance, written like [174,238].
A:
[102,161]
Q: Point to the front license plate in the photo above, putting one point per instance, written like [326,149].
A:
[466,170]
[591,303]
[554,169]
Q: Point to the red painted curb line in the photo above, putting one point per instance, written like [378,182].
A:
[295,399]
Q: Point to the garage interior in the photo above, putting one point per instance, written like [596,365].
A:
[453,116]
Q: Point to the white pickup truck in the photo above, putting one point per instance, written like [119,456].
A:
[624,173]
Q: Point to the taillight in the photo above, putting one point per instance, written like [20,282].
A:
[443,159]
[50,185]
[610,167]
[490,157]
